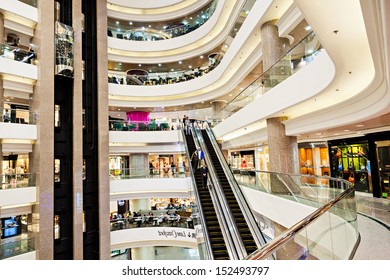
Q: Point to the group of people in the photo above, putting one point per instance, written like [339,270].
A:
[188,123]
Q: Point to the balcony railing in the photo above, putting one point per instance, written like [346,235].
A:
[295,59]
[329,232]
[153,173]
[14,248]
[21,180]
[147,32]
[122,125]
[18,53]
[21,116]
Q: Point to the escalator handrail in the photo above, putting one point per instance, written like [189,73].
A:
[200,212]
[242,202]
[221,198]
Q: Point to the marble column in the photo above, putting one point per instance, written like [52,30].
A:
[42,156]
[216,106]
[274,48]
[283,152]
[1,111]
[140,204]
[77,133]
[103,143]
[139,165]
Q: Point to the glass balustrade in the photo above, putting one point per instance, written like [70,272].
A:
[295,59]
[329,232]
[20,116]
[17,53]
[136,31]
[21,180]
[122,125]
[13,248]
[159,219]
[33,3]
[137,173]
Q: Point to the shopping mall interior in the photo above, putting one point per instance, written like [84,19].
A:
[194,130]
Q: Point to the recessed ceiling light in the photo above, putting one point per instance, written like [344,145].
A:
[135,107]
[190,17]
[346,130]
[201,56]
[117,22]
[190,66]
[159,64]
[172,69]
[119,109]
[336,134]
[319,133]
[139,65]
[120,63]
[307,28]
[130,23]
[202,101]
[180,62]
[230,94]
[149,26]
[241,88]
[359,125]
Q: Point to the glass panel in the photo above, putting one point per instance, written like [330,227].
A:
[23,180]
[14,248]
[21,116]
[17,52]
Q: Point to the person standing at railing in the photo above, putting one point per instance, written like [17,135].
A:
[151,167]
[6,116]
[173,168]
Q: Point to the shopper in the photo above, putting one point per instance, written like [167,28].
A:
[6,116]
[151,167]
[173,168]
[204,171]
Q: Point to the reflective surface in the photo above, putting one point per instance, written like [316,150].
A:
[14,248]
[122,125]
[18,53]
[33,3]
[22,180]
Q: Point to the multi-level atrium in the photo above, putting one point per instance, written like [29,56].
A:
[207,130]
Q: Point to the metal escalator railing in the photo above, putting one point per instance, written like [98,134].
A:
[237,225]
[207,250]
[255,231]
[220,243]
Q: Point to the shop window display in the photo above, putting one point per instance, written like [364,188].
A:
[350,162]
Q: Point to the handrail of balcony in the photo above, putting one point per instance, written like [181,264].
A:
[123,125]
[17,180]
[139,173]
[17,247]
[182,27]
[21,116]
[17,53]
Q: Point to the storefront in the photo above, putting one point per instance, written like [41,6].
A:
[242,159]
[162,163]
[14,164]
[365,161]
[314,158]
[263,158]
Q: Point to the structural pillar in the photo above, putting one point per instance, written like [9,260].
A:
[283,152]
[77,133]
[139,165]
[1,28]
[140,204]
[42,156]
[274,48]
[217,106]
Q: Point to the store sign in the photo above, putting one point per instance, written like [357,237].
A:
[64,45]
[173,234]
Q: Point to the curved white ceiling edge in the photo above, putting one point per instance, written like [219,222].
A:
[145,4]
[156,16]
[374,100]
[26,14]
[129,51]
[370,98]
[246,34]
[150,236]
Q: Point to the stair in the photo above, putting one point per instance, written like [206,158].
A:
[246,235]
[218,245]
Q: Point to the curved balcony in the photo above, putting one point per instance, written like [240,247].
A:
[203,39]
[143,78]
[152,31]
[17,189]
[18,124]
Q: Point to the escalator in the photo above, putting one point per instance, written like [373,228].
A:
[218,246]
[245,233]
